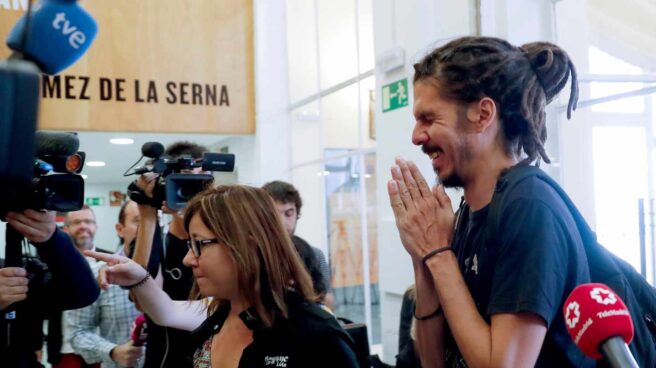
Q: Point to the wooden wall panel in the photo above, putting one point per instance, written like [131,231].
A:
[173,47]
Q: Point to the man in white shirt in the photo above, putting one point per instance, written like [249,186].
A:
[100,332]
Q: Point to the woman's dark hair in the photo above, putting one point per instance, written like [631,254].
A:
[520,80]
[312,265]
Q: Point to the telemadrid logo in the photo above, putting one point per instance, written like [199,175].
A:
[572,314]
[603,296]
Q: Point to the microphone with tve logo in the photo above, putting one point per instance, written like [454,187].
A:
[51,36]
[600,324]
[58,33]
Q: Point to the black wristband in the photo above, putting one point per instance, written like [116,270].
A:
[143,281]
[437,312]
[434,252]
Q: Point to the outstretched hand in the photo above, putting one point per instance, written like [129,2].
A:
[120,270]
[424,217]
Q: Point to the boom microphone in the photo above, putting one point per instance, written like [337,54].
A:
[152,150]
[59,32]
[55,144]
[600,324]
[19,102]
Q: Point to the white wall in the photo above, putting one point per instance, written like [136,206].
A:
[416,26]
[272,141]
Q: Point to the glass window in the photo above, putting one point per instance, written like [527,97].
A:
[620,163]
[347,233]
[306,133]
[604,63]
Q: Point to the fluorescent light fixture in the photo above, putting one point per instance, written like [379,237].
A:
[95,163]
[121,141]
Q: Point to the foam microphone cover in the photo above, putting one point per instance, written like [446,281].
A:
[138,334]
[60,32]
[593,314]
[19,102]
[55,143]
[152,149]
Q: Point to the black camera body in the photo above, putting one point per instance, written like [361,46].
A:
[178,182]
[55,184]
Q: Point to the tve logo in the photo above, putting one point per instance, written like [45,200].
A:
[13,4]
[75,38]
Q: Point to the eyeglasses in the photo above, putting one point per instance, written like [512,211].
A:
[83,221]
[195,245]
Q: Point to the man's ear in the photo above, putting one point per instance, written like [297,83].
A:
[482,113]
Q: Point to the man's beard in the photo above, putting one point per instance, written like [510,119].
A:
[452,181]
[84,244]
[462,153]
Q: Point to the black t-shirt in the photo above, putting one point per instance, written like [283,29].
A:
[310,337]
[163,343]
[537,260]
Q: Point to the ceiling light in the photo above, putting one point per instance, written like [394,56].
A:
[121,141]
[84,176]
[96,163]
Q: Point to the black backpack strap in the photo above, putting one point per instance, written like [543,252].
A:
[505,185]
[604,266]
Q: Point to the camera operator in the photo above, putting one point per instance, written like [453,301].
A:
[66,266]
[164,261]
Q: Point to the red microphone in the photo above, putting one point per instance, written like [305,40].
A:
[139,331]
[600,324]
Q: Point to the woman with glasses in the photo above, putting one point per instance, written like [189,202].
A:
[262,311]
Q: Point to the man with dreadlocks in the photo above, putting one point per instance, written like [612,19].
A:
[480,113]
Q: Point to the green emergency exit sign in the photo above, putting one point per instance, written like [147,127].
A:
[395,95]
[94,201]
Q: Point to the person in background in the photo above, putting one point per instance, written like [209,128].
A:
[100,332]
[67,267]
[288,204]
[164,261]
[263,311]
[407,356]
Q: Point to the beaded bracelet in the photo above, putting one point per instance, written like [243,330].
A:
[143,281]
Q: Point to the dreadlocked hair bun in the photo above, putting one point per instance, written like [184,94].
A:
[520,80]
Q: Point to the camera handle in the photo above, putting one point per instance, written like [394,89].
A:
[13,258]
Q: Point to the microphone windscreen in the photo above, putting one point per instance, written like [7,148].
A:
[152,149]
[55,143]
[19,102]
[138,334]
[59,33]
[594,313]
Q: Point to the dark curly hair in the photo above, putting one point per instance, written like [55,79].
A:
[284,192]
[177,149]
[520,80]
